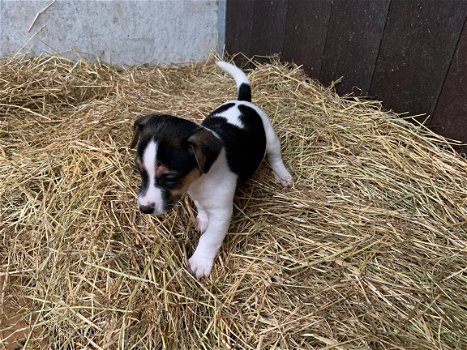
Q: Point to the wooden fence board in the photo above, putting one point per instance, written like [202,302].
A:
[268,26]
[305,34]
[418,43]
[450,116]
[239,24]
[352,44]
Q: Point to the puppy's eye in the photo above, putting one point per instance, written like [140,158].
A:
[169,180]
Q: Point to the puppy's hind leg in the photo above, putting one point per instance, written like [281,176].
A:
[273,153]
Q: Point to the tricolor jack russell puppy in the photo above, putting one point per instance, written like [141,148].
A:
[175,156]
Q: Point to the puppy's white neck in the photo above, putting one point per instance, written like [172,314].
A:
[216,178]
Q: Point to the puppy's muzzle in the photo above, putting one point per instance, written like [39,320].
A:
[147,209]
[153,209]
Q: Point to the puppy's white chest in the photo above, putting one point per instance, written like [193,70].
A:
[232,115]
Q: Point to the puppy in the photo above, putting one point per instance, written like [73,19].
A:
[176,156]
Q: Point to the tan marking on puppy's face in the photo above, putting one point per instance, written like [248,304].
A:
[161,169]
[139,163]
[185,183]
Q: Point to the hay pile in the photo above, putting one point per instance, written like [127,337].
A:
[366,251]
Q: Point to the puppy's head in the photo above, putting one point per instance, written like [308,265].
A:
[171,154]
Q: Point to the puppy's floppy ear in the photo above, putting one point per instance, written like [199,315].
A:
[138,125]
[206,147]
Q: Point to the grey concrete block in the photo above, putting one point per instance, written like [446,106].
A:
[119,32]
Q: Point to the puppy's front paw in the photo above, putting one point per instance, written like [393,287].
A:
[200,266]
[283,177]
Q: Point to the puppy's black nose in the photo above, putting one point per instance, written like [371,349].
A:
[147,209]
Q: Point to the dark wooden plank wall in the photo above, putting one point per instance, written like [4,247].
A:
[418,44]
[305,34]
[412,55]
[450,116]
[353,39]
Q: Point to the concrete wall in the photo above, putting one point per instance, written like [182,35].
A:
[119,32]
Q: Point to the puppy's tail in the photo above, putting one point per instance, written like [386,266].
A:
[241,79]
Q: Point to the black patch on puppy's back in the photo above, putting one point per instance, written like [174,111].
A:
[223,108]
[245,147]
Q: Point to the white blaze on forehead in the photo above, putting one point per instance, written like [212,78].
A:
[153,195]
[149,159]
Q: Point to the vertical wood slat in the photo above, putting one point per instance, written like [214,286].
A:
[268,26]
[305,34]
[450,116]
[239,25]
[255,27]
[418,43]
[353,39]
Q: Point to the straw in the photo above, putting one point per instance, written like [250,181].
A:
[366,251]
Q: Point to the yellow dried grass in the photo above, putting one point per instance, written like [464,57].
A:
[366,251]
